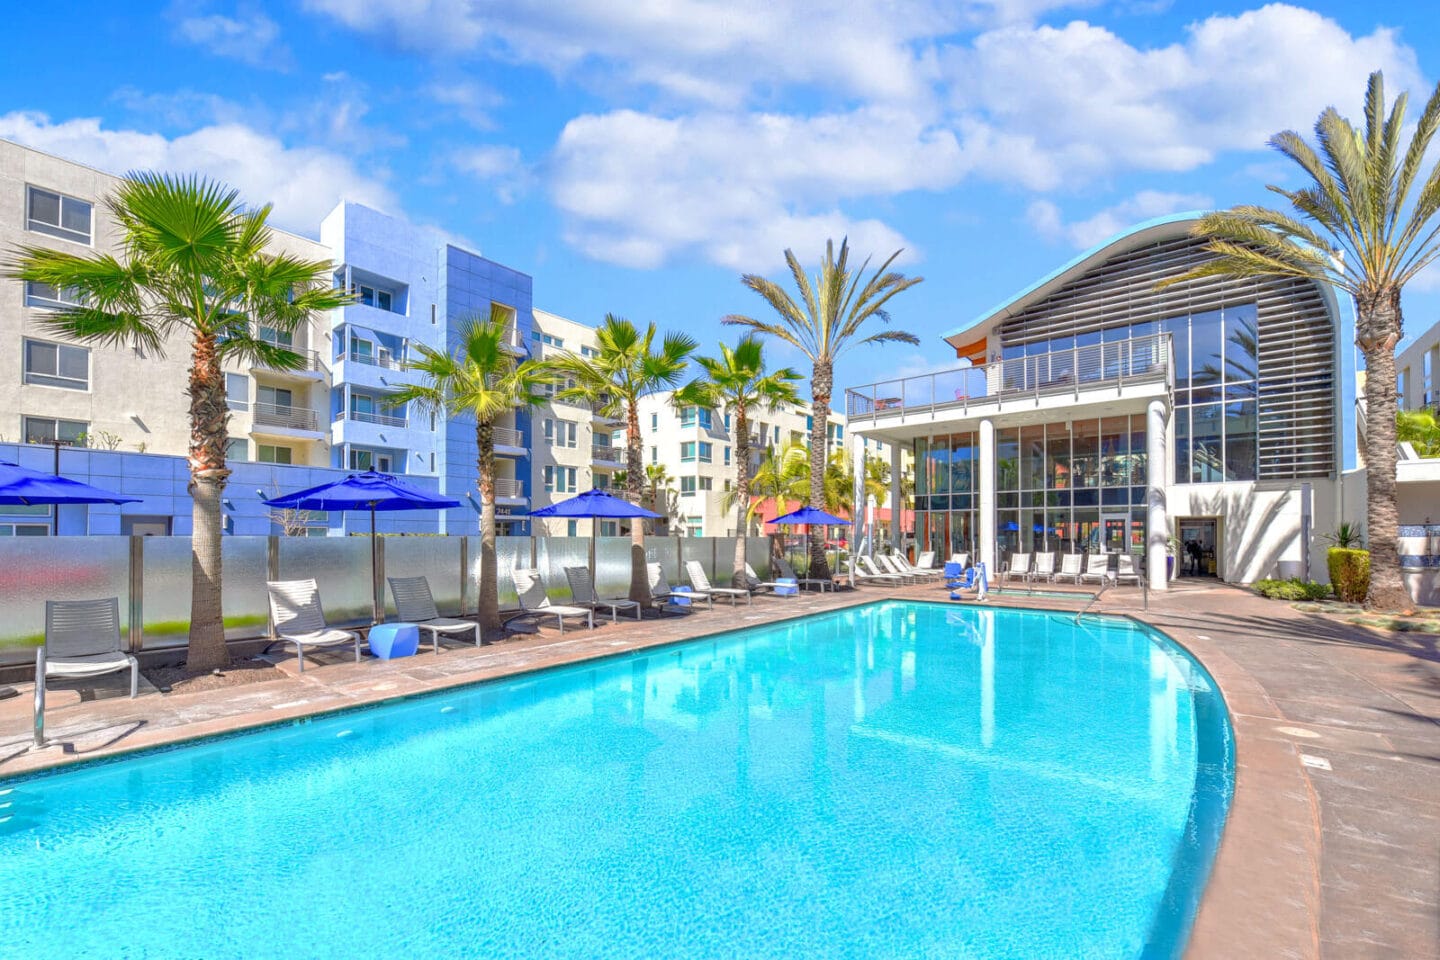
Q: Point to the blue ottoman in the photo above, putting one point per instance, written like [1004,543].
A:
[786,587]
[390,640]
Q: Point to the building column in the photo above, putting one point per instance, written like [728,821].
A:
[987,497]
[1157,524]
[896,500]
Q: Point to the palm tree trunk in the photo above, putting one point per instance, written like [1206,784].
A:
[1378,332]
[635,493]
[822,381]
[742,488]
[489,575]
[208,434]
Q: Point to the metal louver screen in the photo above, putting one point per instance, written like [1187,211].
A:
[1296,334]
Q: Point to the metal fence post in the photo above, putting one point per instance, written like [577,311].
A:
[136,640]
[464,575]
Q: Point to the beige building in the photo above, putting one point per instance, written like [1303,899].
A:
[125,398]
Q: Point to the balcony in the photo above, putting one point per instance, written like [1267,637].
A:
[510,341]
[312,367]
[1134,368]
[608,455]
[385,361]
[379,419]
[508,442]
[284,421]
[508,489]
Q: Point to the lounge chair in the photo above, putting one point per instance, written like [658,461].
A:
[1072,565]
[535,601]
[662,594]
[961,558]
[297,617]
[582,588]
[1127,571]
[920,572]
[82,639]
[1019,567]
[788,573]
[926,560]
[415,604]
[1044,568]
[701,582]
[865,569]
[887,564]
[755,584]
[1097,568]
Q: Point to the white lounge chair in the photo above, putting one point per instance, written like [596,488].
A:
[661,593]
[926,560]
[1044,568]
[701,582]
[82,639]
[919,571]
[1127,571]
[1019,567]
[1097,568]
[753,581]
[887,564]
[787,572]
[297,617]
[1072,565]
[961,558]
[582,588]
[865,569]
[535,601]
[414,603]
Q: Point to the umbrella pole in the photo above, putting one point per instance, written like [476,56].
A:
[374,568]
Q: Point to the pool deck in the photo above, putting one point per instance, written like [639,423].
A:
[1332,848]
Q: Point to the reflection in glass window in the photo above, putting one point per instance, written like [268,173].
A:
[1207,444]
[1240,441]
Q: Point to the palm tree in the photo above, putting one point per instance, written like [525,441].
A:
[781,475]
[1420,429]
[659,480]
[624,370]
[1355,226]
[195,266]
[483,380]
[832,310]
[737,383]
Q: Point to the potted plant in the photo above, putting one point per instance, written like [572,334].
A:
[1348,563]
[1172,550]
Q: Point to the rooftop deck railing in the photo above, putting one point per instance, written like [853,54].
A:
[1136,360]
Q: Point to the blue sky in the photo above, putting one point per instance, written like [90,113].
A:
[637,158]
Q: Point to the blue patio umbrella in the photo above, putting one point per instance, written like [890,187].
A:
[810,516]
[20,486]
[594,504]
[371,491]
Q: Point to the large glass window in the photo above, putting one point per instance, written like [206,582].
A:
[50,430]
[57,365]
[57,215]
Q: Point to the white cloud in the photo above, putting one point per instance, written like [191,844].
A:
[249,36]
[472,101]
[303,183]
[501,166]
[737,190]
[1045,216]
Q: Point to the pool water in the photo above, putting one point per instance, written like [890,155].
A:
[894,780]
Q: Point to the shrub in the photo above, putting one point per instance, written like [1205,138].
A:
[1349,573]
[1292,589]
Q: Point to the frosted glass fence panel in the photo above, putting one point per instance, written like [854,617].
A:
[553,555]
[510,552]
[36,569]
[340,567]
[757,554]
[703,550]
[612,566]
[437,559]
[666,552]
[165,572]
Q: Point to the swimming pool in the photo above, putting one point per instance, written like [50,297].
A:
[893,780]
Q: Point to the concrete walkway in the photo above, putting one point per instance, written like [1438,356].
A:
[1332,848]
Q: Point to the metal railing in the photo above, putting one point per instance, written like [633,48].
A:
[505,437]
[505,487]
[289,417]
[1136,360]
[380,419]
[313,363]
[607,452]
[375,360]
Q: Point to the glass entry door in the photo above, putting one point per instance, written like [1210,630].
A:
[1114,533]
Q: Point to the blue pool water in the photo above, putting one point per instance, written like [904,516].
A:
[896,780]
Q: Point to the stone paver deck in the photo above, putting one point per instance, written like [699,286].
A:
[1332,848]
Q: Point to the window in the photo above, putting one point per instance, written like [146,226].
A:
[706,483]
[572,528]
[540,336]
[57,215]
[44,295]
[237,449]
[8,529]
[559,479]
[687,486]
[1400,382]
[654,422]
[1428,397]
[48,430]
[690,416]
[694,526]
[372,296]
[371,460]
[560,433]
[266,453]
[687,416]
[727,423]
[237,391]
[654,454]
[588,351]
[706,451]
[57,365]
[727,456]
[281,338]
[276,399]
[687,452]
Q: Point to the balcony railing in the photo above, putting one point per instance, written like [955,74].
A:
[312,363]
[1140,359]
[505,437]
[505,487]
[291,418]
[608,452]
[380,419]
[375,360]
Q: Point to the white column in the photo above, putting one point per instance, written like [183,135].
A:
[1157,524]
[987,497]
[895,501]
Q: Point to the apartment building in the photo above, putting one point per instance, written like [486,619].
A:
[1096,412]
[1417,372]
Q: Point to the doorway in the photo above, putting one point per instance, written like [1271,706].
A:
[137,525]
[1114,533]
[1199,546]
